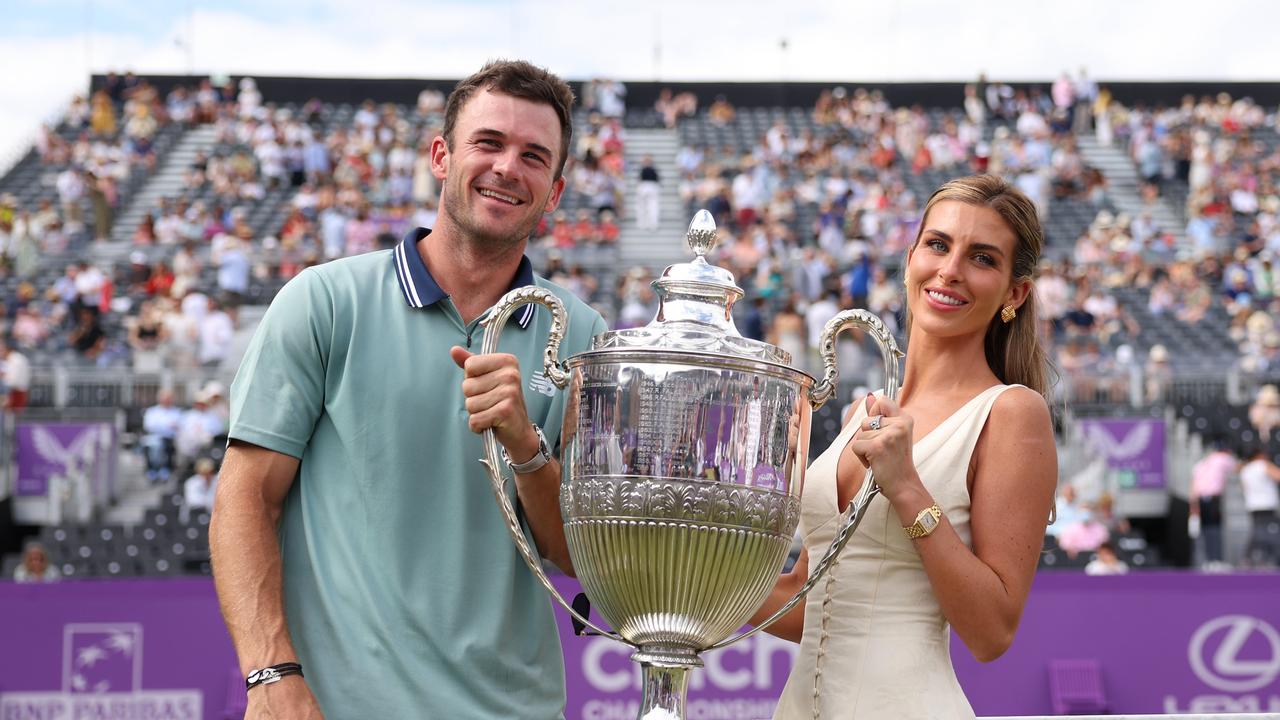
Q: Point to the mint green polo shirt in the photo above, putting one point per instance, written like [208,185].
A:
[404,593]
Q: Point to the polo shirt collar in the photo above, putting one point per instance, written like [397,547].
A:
[421,290]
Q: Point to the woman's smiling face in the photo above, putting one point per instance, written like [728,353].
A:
[960,271]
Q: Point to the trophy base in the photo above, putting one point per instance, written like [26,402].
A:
[665,675]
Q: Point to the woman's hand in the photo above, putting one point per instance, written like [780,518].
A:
[883,443]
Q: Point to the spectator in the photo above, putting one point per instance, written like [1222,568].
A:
[1066,511]
[1259,478]
[1106,562]
[1264,413]
[160,425]
[17,377]
[1208,480]
[197,429]
[648,196]
[815,319]
[233,270]
[753,321]
[147,335]
[71,188]
[721,113]
[788,332]
[102,116]
[1085,535]
[198,491]
[217,329]
[610,98]
[1159,374]
[608,229]
[673,107]
[87,337]
[35,567]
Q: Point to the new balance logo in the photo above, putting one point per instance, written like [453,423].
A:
[539,383]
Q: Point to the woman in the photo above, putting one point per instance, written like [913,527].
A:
[966,463]
[35,567]
[788,332]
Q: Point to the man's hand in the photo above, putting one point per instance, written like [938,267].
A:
[495,400]
[288,699]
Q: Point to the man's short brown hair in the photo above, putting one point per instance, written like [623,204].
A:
[520,79]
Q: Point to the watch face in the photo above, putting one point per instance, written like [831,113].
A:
[928,522]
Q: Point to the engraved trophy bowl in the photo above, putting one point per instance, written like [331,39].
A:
[683,454]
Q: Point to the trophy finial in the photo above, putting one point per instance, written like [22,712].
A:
[702,236]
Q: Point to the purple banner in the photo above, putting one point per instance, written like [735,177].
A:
[116,649]
[740,682]
[1133,447]
[66,450]
[1164,643]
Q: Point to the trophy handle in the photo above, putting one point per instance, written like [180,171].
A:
[818,395]
[557,372]
[879,332]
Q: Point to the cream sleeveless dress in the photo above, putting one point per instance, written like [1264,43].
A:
[886,655]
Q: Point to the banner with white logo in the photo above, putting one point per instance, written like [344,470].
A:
[122,649]
[1164,642]
[64,452]
[1133,447]
[740,682]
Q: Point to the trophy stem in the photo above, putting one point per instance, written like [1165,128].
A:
[666,683]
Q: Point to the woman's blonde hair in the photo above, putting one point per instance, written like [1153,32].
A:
[1014,351]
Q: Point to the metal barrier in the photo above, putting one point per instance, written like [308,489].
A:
[117,388]
[1137,388]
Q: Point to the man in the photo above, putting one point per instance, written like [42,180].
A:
[392,579]
[160,426]
[648,195]
[199,489]
[198,428]
[217,330]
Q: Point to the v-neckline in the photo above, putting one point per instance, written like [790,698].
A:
[846,434]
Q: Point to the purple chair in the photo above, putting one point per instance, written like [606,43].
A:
[1075,687]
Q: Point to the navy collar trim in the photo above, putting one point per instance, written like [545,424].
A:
[421,290]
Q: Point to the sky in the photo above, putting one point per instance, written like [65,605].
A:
[61,42]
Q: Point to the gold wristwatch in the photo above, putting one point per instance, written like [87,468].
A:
[926,522]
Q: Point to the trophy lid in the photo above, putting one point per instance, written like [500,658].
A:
[695,311]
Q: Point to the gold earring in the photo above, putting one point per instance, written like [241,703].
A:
[1008,314]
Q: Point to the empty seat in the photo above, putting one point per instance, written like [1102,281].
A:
[1075,687]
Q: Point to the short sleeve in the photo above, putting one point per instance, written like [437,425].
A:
[279,391]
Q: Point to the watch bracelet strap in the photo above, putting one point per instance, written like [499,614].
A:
[914,530]
[535,463]
[272,674]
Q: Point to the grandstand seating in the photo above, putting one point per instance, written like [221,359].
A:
[166,542]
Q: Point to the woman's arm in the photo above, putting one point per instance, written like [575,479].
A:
[789,626]
[1014,470]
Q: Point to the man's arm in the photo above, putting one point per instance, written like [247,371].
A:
[245,550]
[495,401]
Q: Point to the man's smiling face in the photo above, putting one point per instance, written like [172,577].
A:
[499,168]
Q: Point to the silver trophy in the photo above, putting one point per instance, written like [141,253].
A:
[683,451]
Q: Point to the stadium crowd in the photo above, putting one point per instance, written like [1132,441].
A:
[813,219]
